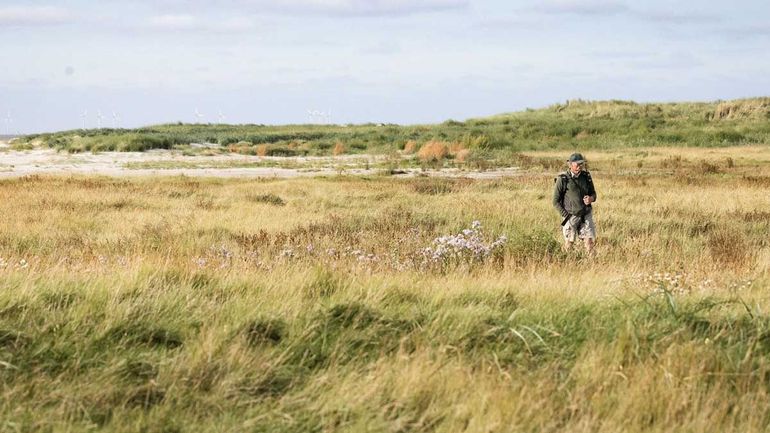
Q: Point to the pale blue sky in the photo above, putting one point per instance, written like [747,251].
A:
[417,61]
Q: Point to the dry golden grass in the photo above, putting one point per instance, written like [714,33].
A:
[410,147]
[262,149]
[433,151]
[742,108]
[458,151]
[456,147]
[462,155]
[242,147]
[179,304]
[339,149]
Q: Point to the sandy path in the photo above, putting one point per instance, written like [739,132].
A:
[49,162]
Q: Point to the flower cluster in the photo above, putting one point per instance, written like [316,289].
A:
[469,246]
[739,286]
[333,253]
[668,282]
[215,254]
[221,252]
[21,264]
[466,246]
[681,283]
[361,256]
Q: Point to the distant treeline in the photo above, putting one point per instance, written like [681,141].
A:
[576,123]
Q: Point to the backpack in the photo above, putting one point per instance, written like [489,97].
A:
[562,177]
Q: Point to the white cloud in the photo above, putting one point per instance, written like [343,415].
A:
[187,22]
[754,30]
[315,7]
[668,61]
[582,7]
[676,17]
[33,15]
[615,7]
[744,34]
[173,22]
[354,7]
[383,47]
[235,24]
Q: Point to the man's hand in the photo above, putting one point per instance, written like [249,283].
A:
[587,200]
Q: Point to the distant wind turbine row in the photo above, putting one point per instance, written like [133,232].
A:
[99,118]
[199,117]
[319,117]
[315,116]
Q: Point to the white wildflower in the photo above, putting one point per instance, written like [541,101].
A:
[468,245]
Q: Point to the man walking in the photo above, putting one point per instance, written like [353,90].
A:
[573,195]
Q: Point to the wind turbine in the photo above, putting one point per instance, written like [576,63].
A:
[315,116]
[221,117]
[199,115]
[323,117]
[99,118]
[84,115]
[115,119]
[8,120]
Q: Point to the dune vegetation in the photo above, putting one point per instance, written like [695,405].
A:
[396,305]
[576,123]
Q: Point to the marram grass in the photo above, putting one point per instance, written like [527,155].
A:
[585,124]
[177,304]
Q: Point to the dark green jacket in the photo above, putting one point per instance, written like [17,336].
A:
[569,191]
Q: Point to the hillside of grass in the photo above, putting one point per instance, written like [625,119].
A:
[575,124]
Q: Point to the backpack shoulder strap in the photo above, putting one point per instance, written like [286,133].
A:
[563,179]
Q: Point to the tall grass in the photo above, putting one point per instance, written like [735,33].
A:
[178,304]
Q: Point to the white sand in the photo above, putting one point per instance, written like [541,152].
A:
[49,162]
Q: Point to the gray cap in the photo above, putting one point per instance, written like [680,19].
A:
[576,157]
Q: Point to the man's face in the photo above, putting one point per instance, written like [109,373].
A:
[575,167]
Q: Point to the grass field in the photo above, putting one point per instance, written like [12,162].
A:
[315,305]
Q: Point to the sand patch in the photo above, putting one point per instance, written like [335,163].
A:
[15,163]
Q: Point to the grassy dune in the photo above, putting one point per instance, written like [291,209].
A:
[585,124]
[178,304]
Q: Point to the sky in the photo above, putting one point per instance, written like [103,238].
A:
[66,64]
